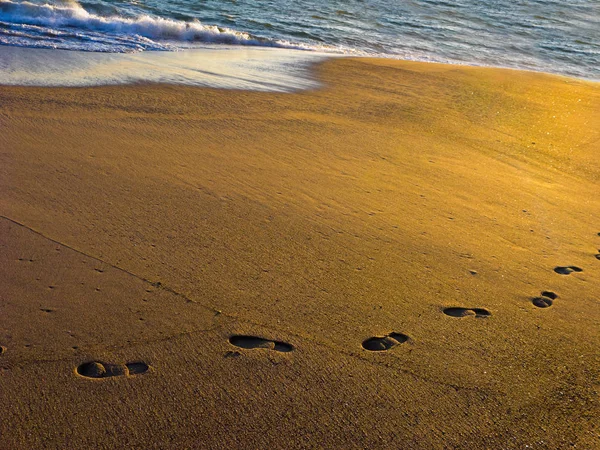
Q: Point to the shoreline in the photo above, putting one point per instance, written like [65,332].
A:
[262,69]
[227,255]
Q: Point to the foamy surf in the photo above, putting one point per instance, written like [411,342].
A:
[69,26]
[223,66]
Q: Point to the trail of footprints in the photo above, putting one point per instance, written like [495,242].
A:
[101,370]
[393,339]
[546,298]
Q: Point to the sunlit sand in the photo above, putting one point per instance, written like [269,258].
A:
[405,257]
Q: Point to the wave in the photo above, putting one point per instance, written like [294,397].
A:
[143,30]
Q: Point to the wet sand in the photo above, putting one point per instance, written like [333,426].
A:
[405,258]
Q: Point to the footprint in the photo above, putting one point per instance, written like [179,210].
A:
[250,342]
[464,312]
[95,369]
[566,270]
[379,344]
[545,300]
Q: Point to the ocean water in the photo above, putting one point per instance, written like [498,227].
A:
[544,35]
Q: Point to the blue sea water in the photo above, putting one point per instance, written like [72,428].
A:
[544,35]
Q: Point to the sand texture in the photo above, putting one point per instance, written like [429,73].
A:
[403,259]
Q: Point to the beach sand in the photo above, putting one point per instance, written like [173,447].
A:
[156,226]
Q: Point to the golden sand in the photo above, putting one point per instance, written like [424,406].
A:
[196,268]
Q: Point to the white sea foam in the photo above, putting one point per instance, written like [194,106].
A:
[217,66]
[35,23]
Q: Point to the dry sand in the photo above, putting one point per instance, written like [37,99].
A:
[151,225]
